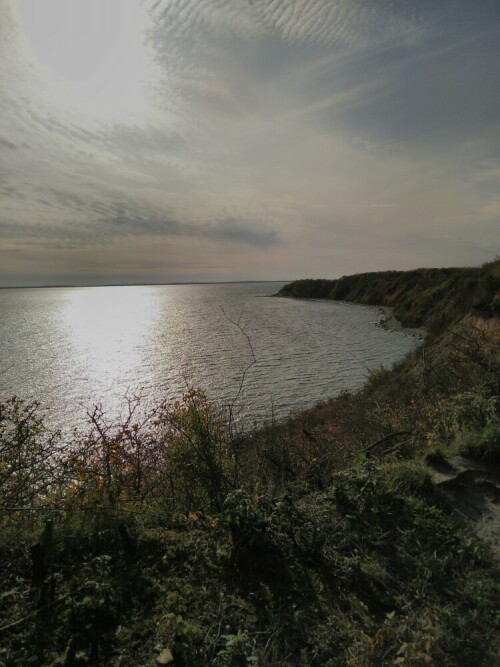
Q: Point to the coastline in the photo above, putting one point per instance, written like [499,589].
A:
[391,323]
[388,320]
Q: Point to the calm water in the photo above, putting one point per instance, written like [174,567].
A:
[74,347]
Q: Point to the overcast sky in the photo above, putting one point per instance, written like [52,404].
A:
[185,140]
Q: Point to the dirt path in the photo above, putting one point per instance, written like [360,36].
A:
[475,490]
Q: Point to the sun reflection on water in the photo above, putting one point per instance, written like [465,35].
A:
[73,348]
[108,331]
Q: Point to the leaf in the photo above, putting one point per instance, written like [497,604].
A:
[402,649]
[165,657]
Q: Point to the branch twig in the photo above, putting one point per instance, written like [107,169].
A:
[389,436]
[237,324]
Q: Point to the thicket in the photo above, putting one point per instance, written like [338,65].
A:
[172,538]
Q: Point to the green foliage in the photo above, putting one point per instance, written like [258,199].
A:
[410,478]
[308,288]
[371,568]
[377,377]
[199,451]
[483,444]
[239,651]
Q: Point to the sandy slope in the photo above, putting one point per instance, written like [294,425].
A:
[475,491]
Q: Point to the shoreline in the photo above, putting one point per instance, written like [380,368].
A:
[391,323]
[388,320]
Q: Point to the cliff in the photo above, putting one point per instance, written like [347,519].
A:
[428,298]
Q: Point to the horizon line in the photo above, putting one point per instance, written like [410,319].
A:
[155,284]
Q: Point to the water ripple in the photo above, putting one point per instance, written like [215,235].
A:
[75,347]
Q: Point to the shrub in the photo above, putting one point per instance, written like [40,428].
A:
[199,454]
[31,459]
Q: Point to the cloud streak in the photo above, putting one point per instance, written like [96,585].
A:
[297,21]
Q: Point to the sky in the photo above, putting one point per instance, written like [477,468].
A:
[205,140]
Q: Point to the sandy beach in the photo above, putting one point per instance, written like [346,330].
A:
[390,322]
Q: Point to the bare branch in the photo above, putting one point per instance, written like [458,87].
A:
[389,436]
[237,324]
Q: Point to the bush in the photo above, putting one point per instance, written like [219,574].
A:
[199,452]
[31,458]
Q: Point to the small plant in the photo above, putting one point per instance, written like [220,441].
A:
[377,377]
[483,444]
[239,651]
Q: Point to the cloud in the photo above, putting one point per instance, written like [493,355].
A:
[4,143]
[252,232]
[276,132]
[394,73]
[297,21]
[345,21]
[90,221]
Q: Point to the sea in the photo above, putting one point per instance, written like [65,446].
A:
[75,348]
